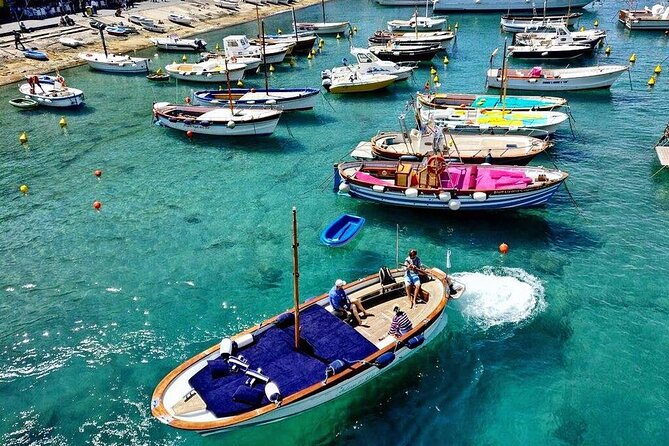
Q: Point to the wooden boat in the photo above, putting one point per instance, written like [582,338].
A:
[342,230]
[263,375]
[489,102]
[416,23]
[302,43]
[560,35]
[70,42]
[526,23]
[213,70]
[116,63]
[547,121]
[472,148]
[180,19]
[404,53]
[541,79]
[252,63]
[354,82]
[549,50]
[55,94]
[508,5]
[436,184]
[239,46]
[175,43]
[158,76]
[286,99]
[119,31]
[216,121]
[440,38]
[324,27]
[24,103]
[368,63]
[655,18]
[34,53]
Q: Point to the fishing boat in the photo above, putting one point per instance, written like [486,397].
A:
[220,121]
[24,103]
[547,121]
[368,63]
[508,5]
[323,27]
[489,102]
[342,230]
[404,53]
[252,63]
[417,23]
[286,99]
[560,34]
[525,23]
[302,42]
[440,38]
[302,358]
[115,63]
[436,184]
[472,148]
[214,70]
[70,42]
[655,18]
[180,19]
[549,50]
[159,76]
[175,43]
[564,79]
[357,82]
[34,53]
[56,94]
[236,46]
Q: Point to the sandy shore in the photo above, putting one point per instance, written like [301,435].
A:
[14,66]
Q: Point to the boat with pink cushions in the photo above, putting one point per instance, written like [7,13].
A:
[436,184]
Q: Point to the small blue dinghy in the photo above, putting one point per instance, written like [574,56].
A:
[34,53]
[342,230]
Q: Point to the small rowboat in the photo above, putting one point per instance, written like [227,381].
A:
[35,54]
[342,230]
[158,77]
[23,103]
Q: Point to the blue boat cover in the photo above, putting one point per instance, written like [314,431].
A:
[327,339]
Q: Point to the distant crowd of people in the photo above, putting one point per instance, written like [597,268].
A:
[42,9]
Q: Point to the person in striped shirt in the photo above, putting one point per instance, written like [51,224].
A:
[400,324]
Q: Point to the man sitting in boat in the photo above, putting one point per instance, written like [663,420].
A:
[535,72]
[411,278]
[340,302]
[399,325]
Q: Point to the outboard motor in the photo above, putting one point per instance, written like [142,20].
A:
[327,83]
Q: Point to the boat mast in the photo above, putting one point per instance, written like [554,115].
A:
[104,45]
[297,38]
[323,7]
[502,94]
[227,78]
[258,20]
[264,56]
[296,280]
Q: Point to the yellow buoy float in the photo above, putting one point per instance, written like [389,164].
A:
[596,23]
[582,28]
[279,31]
[433,71]
[63,122]
[271,68]
[23,138]
[435,79]
[309,56]
[240,84]
[608,50]
[338,36]
[24,188]
[651,81]
[184,58]
[658,69]
[633,58]
[446,60]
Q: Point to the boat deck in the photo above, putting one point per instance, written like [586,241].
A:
[663,154]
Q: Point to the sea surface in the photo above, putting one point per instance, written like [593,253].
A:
[563,341]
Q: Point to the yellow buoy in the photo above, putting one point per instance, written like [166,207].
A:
[240,83]
[218,47]
[63,122]
[596,23]
[449,28]
[457,25]
[184,58]
[309,56]
[633,58]
[658,69]
[271,68]
[446,60]
[24,188]
[23,138]
[435,79]
[582,28]
[338,36]
[313,52]
[278,31]
[651,81]
[320,44]
[607,50]
[433,71]
[355,29]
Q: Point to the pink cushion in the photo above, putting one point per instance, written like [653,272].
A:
[367,178]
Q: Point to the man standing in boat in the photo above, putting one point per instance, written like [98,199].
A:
[340,302]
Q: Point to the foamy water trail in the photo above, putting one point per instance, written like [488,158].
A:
[498,296]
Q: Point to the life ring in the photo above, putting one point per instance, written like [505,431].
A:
[436,164]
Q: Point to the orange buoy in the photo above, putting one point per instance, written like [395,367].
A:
[189,134]
[98,173]
[503,248]
[97,205]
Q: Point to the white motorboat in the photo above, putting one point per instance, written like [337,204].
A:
[214,70]
[526,23]
[221,121]
[70,42]
[236,46]
[175,43]
[540,79]
[549,50]
[180,19]
[52,94]
[116,63]
[655,18]
[507,5]
[323,27]
[252,63]
[559,34]
[417,23]
[368,63]
[440,38]
[356,82]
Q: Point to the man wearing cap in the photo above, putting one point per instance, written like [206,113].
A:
[340,301]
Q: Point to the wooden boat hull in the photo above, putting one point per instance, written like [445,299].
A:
[564,82]
[218,76]
[642,20]
[519,24]
[342,230]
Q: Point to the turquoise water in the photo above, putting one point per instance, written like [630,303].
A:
[562,341]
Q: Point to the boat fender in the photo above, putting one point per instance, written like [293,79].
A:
[327,83]
[336,366]
[444,196]
[408,158]
[411,192]
[285,320]
[172,119]
[479,196]
[415,341]
[344,187]
[271,102]
[454,204]
[378,188]
[272,392]
[226,347]
[326,74]
[244,340]
[231,124]
[385,359]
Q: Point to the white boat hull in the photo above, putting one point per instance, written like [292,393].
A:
[400,2]
[266,127]
[50,97]
[234,75]
[291,104]
[507,5]
[324,28]
[121,65]
[562,83]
